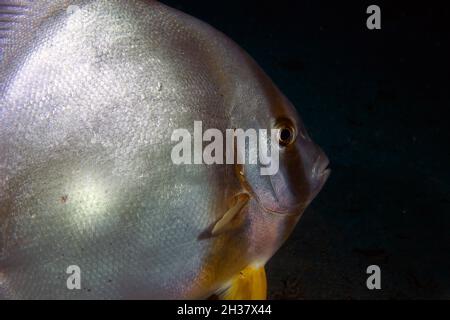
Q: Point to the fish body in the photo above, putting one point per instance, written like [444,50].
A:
[90,93]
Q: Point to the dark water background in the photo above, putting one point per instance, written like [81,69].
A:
[377,102]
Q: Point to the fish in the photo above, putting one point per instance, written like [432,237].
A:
[91,204]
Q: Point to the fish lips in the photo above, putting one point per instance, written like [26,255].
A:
[319,176]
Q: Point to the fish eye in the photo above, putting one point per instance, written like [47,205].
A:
[287,133]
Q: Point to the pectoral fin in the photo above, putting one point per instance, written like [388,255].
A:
[249,284]
[227,218]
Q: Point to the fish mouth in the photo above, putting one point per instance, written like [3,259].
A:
[320,173]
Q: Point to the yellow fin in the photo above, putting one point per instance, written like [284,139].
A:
[221,225]
[249,284]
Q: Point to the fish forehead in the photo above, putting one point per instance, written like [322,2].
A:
[84,115]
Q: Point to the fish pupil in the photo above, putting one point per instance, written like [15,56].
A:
[285,136]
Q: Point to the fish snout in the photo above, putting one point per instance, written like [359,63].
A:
[303,172]
[319,173]
[311,170]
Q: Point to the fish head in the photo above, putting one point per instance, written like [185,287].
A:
[302,165]
[298,167]
[281,195]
